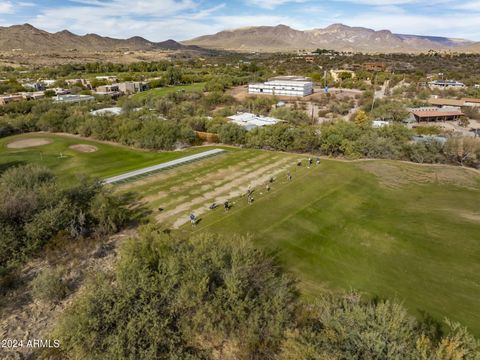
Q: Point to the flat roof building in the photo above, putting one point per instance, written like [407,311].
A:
[294,86]
[132,87]
[250,121]
[73,98]
[107,111]
[112,90]
[446,84]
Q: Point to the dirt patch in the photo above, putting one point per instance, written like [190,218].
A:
[28,143]
[83,148]
[471,216]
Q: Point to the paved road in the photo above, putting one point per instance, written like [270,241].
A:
[162,166]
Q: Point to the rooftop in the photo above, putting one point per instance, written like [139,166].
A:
[107,111]
[291,78]
[250,121]
[428,112]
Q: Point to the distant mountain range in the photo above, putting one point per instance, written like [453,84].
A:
[30,39]
[262,38]
[334,37]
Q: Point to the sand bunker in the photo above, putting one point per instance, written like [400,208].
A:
[26,143]
[83,148]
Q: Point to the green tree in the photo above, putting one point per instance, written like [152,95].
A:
[361,118]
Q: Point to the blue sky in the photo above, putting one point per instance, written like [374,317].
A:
[183,19]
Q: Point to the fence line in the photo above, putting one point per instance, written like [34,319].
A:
[163,166]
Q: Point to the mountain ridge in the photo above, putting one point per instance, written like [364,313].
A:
[338,37]
[278,38]
[31,39]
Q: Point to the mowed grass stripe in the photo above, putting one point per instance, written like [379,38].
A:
[233,173]
[225,191]
[200,178]
[170,178]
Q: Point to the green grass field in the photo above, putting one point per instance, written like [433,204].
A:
[108,160]
[168,90]
[389,229]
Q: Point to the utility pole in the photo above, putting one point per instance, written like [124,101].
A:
[374,90]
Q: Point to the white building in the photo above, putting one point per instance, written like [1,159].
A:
[446,84]
[107,111]
[250,121]
[73,98]
[376,124]
[283,86]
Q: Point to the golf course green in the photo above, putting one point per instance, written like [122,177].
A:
[104,160]
[390,230]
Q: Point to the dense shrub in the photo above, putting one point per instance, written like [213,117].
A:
[182,299]
[34,207]
[348,327]
[49,286]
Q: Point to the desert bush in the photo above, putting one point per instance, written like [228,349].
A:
[182,299]
[49,286]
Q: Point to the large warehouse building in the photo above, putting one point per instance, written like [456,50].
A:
[284,86]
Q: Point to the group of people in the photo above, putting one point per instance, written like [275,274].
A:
[250,191]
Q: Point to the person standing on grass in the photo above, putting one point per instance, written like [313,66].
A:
[226,205]
[318,161]
[193,219]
